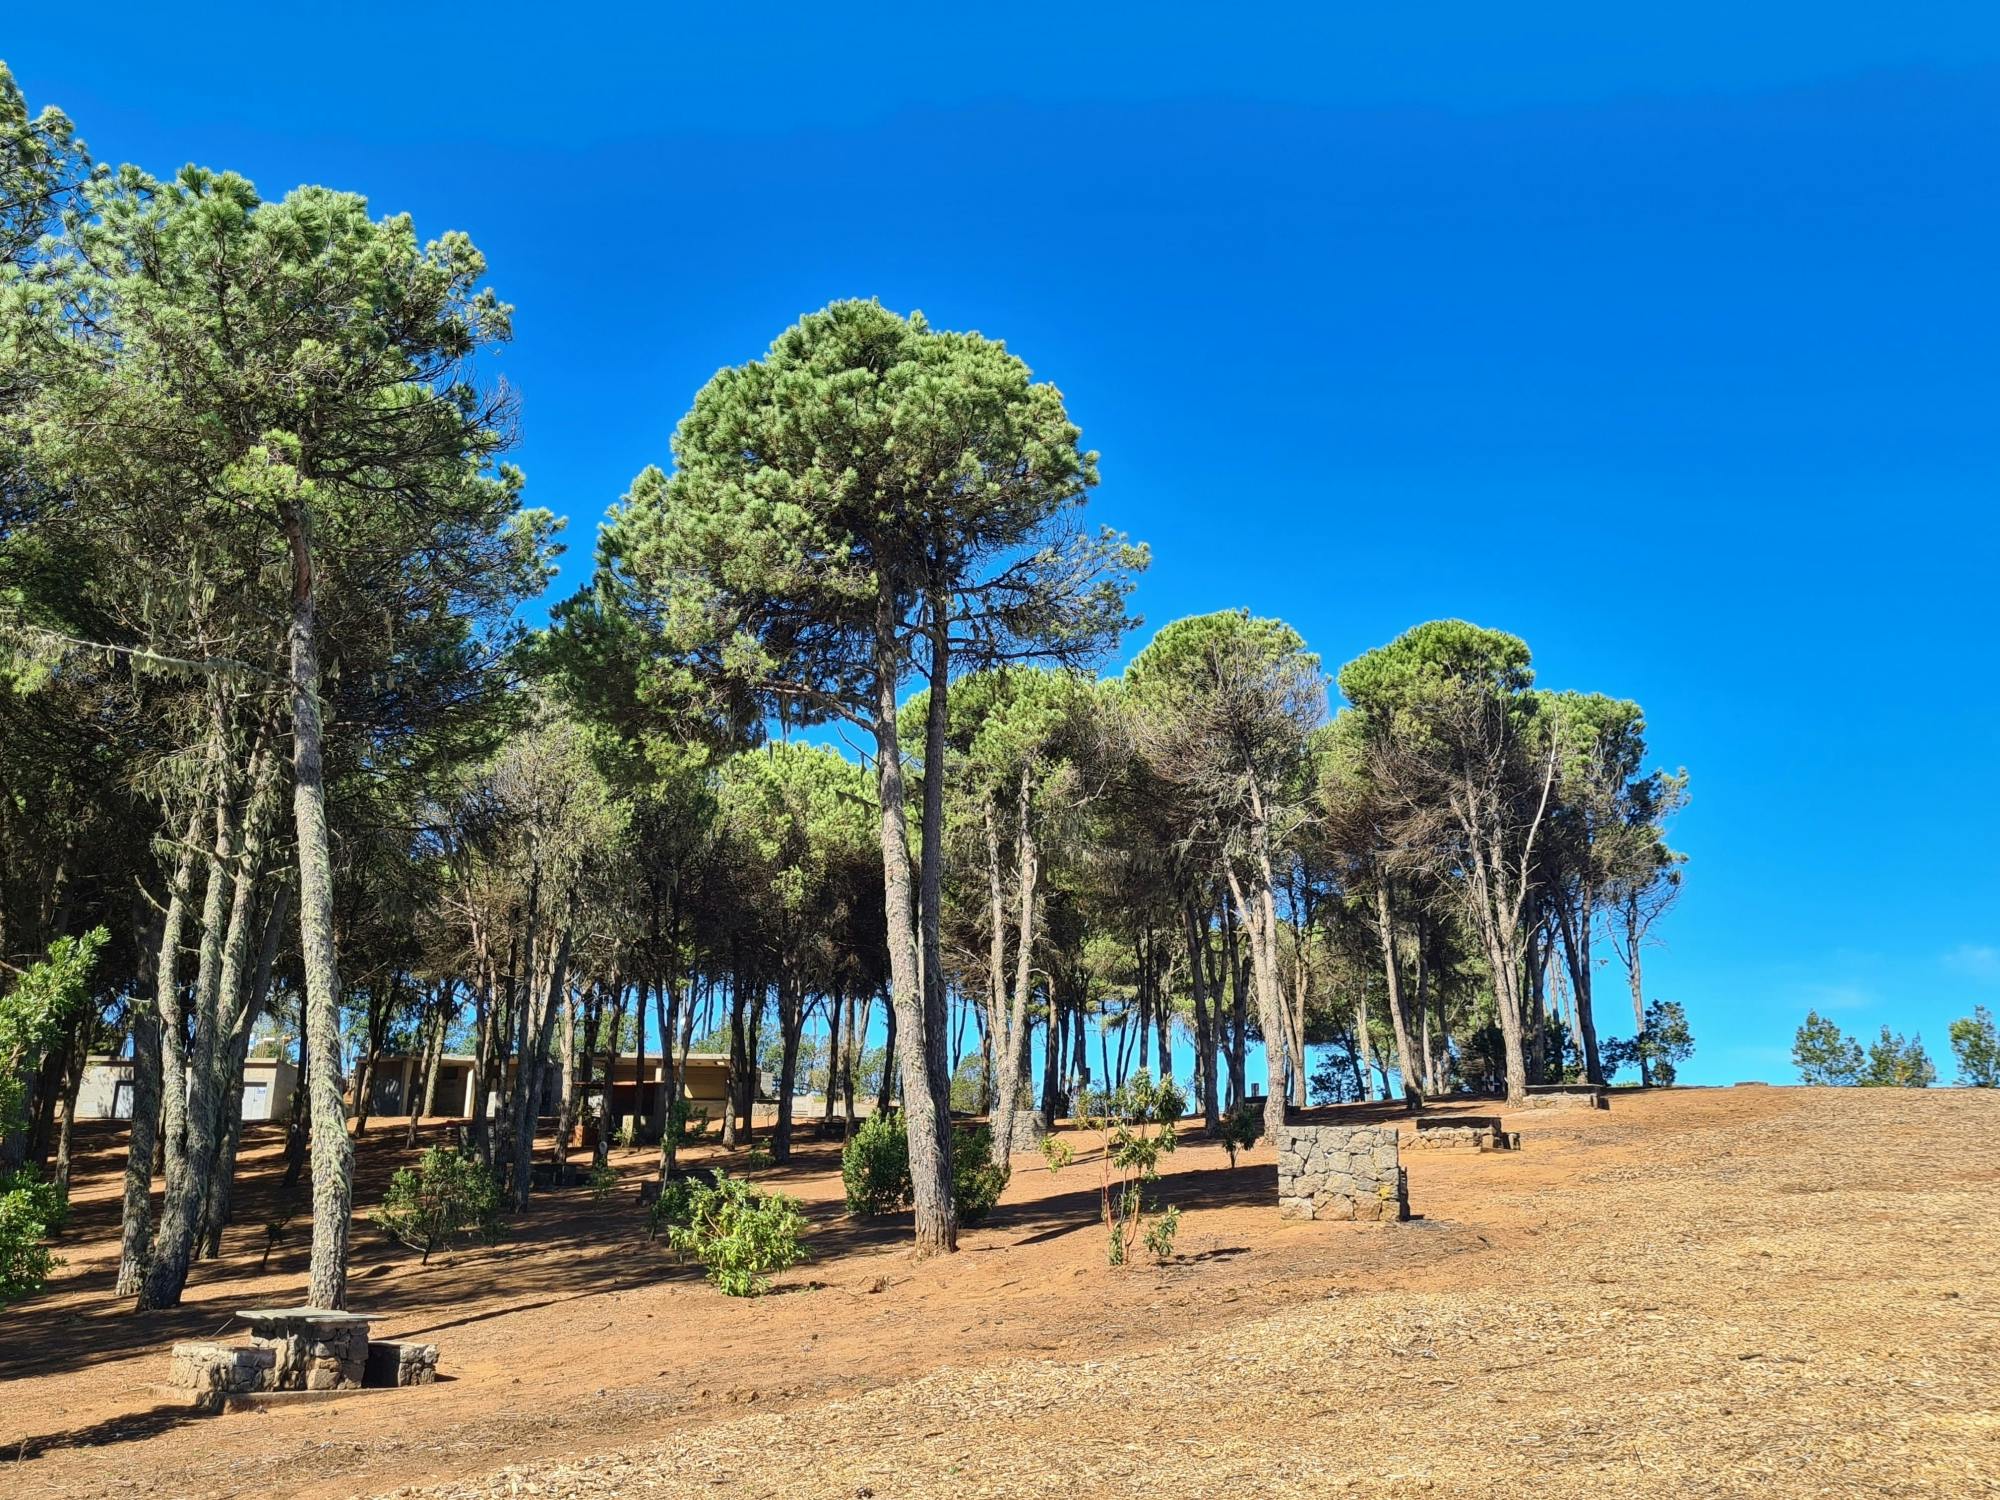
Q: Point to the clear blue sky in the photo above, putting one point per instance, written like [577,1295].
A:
[1667,344]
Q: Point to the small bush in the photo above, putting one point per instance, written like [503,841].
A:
[756,1155]
[627,1137]
[977,1181]
[446,1194]
[1057,1153]
[603,1182]
[875,1166]
[739,1235]
[875,1169]
[1242,1127]
[670,1208]
[1160,1237]
[30,1211]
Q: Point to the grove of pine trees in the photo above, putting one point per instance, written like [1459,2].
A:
[819,767]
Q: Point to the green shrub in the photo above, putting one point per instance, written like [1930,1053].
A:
[603,1182]
[446,1194]
[670,1208]
[1160,1235]
[30,1211]
[875,1169]
[875,1166]
[1242,1127]
[976,1180]
[738,1234]
[1058,1153]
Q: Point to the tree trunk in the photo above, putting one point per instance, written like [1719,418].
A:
[332,1150]
[926,1119]
[1392,970]
[136,1233]
[1204,1025]
[1010,1029]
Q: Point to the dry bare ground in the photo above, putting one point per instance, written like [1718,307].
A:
[1749,1291]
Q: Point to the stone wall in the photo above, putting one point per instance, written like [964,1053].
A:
[1464,1133]
[1340,1172]
[1567,1096]
[400,1362]
[210,1371]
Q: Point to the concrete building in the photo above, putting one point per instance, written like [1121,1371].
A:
[106,1093]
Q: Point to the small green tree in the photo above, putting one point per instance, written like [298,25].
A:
[1137,1122]
[1665,1043]
[1824,1054]
[875,1165]
[1898,1063]
[1241,1128]
[1975,1043]
[739,1235]
[446,1194]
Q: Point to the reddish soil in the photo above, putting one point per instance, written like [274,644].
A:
[1798,1260]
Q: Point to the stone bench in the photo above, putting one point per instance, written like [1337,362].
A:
[1568,1096]
[315,1348]
[1465,1133]
[1341,1172]
[401,1362]
[211,1371]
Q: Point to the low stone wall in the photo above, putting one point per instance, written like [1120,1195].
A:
[1567,1096]
[1340,1172]
[1464,1133]
[209,1371]
[398,1362]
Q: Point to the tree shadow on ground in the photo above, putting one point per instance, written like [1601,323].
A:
[127,1428]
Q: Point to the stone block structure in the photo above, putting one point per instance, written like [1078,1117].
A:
[1568,1096]
[1341,1172]
[315,1349]
[210,1372]
[400,1362]
[1464,1133]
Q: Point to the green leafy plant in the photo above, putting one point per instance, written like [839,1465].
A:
[757,1155]
[739,1235]
[875,1169]
[1058,1153]
[1137,1122]
[875,1165]
[627,1136]
[977,1181]
[1241,1128]
[670,1207]
[445,1195]
[1160,1234]
[31,1013]
[685,1123]
[603,1182]
[30,1211]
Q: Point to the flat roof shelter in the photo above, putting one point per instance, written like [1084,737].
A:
[106,1092]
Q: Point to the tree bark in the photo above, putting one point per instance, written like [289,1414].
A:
[332,1150]
[927,1121]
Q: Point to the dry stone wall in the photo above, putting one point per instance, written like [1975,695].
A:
[1341,1172]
